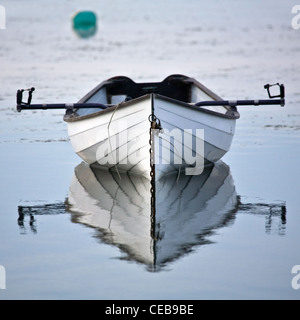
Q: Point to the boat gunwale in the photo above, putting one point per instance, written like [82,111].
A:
[232,112]
[73,117]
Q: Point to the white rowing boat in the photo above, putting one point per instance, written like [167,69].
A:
[151,129]
[184,136]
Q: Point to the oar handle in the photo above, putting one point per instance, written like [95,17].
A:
[20,96]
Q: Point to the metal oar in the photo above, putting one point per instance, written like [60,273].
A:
[45,106]
[70,106]
[67,106]
[234,103]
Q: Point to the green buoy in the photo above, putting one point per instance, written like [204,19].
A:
[85,24]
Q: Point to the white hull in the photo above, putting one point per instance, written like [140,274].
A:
[111,138]
[186,210]
[216,134]
[117,138]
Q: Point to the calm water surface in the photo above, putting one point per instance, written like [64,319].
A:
[245,240]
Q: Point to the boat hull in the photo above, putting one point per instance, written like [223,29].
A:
[119,139]
[152,129]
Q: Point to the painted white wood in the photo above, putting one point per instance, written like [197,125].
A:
[119,137]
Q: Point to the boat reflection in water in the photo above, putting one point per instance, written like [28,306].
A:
[185,210]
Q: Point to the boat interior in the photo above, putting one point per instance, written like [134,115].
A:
[178,87]
[121,89]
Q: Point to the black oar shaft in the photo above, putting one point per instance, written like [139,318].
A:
[234,103]
[67,106]
[71,106]
[231,103]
